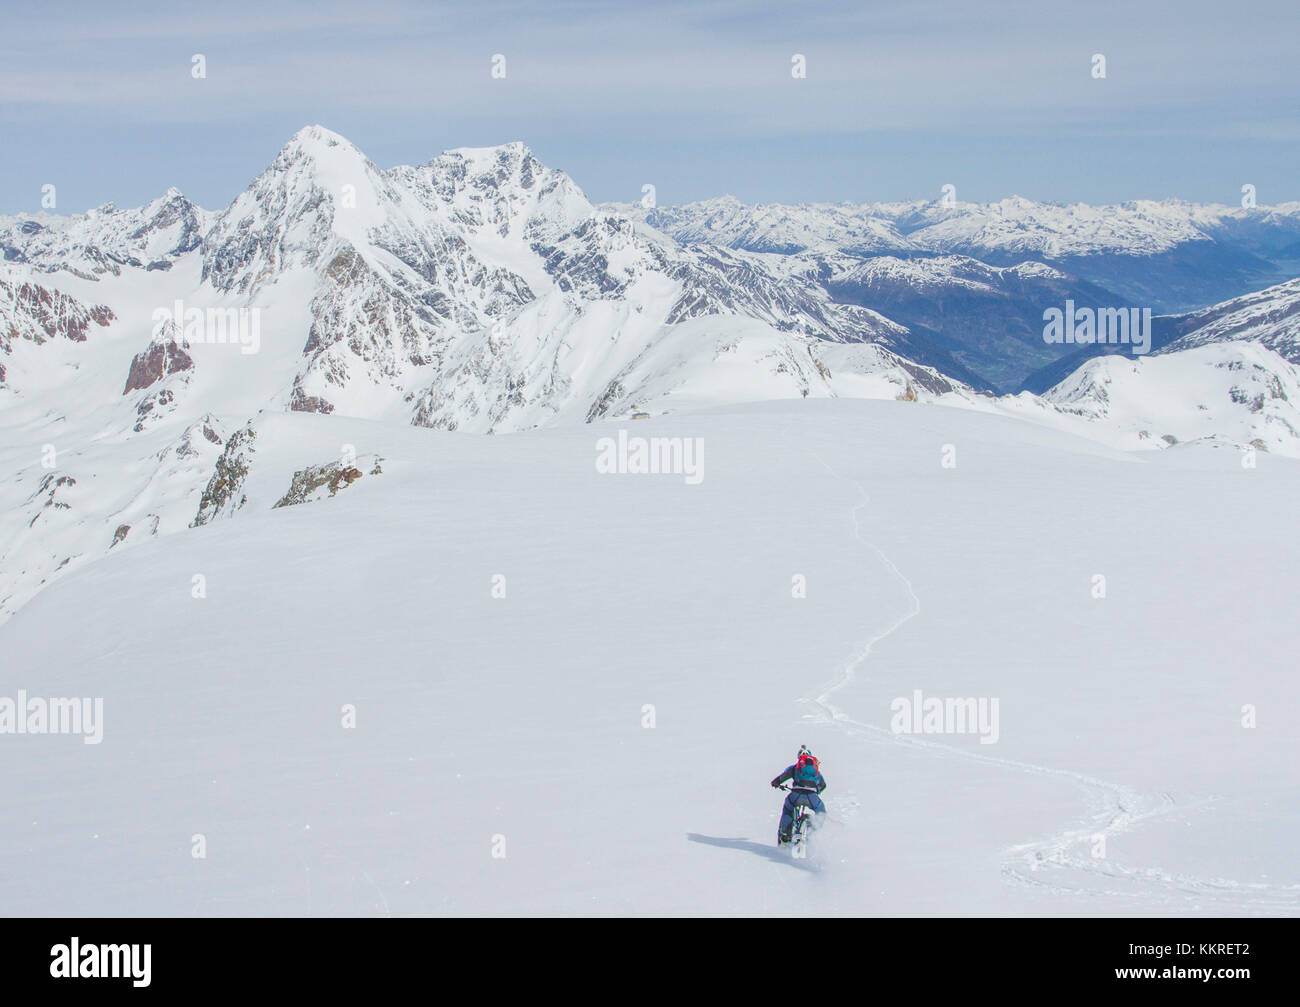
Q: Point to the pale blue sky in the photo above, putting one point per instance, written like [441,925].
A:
[695,97]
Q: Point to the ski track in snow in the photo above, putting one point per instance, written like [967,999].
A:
[1114,808]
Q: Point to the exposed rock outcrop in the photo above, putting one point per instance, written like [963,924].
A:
[224,493]
[151,365]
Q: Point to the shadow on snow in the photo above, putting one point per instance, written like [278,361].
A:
[777,854]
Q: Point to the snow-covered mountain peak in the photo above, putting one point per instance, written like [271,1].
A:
[512,151]
[315,141]
[1011,206]
[503,191]
[106,240]
[318,187]
[316,158]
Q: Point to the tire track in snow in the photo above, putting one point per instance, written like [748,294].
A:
[1115,808]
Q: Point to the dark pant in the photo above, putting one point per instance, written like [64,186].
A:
[796,799]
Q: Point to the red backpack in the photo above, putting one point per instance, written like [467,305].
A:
[807,769]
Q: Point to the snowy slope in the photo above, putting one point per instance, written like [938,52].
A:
[1122,781]
[32,314]
[1270,317]
[1236,393]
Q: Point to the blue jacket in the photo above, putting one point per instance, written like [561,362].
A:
[808,781]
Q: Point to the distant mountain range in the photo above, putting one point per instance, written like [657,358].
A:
[483,293]
[1168,255]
